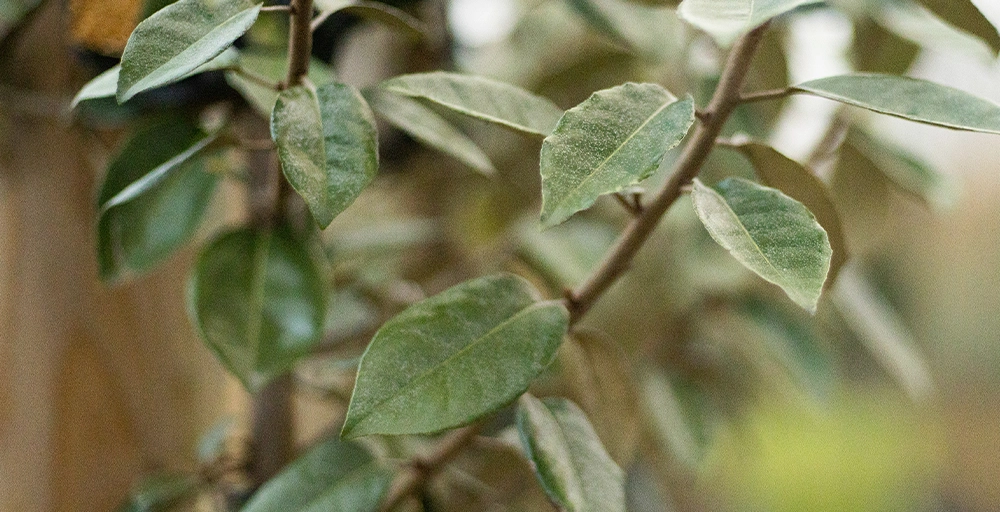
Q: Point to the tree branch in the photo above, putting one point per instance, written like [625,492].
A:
[299,41]
[726,98]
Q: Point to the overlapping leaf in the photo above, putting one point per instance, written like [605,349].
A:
[570,462]
[909,98]
[482,98]
[611,141]
[178,38]
[725,20]
[768,232]
[327,145]
[454,357]
[257,301]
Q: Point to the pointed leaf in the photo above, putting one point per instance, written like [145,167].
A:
[257,301]
[178,38]
[425,125]
[153,198]
[905,170]
[570,462]
[966,16]
[274,68]
[778,171]
[726,20]
[909,98]
[481,98]
[105,85]
[454,357]
[768,232]
[327,145]
[611,141]
[332,476]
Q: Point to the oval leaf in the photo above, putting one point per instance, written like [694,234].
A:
[909,98]
[768,232]
[153,198]
[778,171]
[327,145]
[332,476]
[570,462]
[178,38]
[611,141]
[257,301]
[726,20]
[481,98]
[454,357]
[428,127]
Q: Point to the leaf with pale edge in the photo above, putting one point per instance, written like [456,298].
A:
[570,462]
[611,141]
[726,20]
[425,125]
[178,38]
[153,198]
[327,145]
[454,357]
[482,98]
[257,300]
[909,98]
[334,475]
[768,232]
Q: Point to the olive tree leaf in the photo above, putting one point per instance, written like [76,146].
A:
[482,98]
[454,357]
[613,140]
[257,301]
[178,38]
[335,475]
[905,170]
[153,197]
[909,98]
[425,125]
[639,28]
[105,85]
[570,462]
[778,171]
[726,20]
[964,15]
[327,145]
[768,232]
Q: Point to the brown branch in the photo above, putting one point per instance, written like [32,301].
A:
[726,98]
[299,41]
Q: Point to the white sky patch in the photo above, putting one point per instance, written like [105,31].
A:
[476,23]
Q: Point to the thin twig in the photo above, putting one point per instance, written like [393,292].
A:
[255,78]
[727,96]
[275,8]
[773,94]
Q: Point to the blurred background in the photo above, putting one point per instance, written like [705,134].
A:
[100,385]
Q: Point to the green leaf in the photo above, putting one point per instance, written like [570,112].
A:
[332,476]
[905,170]
[105,85]
[161,492]
[178,38]
[428,127]
[909,98]
[454,357]
[611,141]
[768,232]
[639,28]
[778,171]
[327,145]
[481,98]
[257,301]
[570,462]
[13,12]
[678,417]
[377,11]
[726,20]
[964,15]
[153,198]
[272,67]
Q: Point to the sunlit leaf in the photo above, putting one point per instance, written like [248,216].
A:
[768,232]
[425,125]
[178,38]
[481,98]
[909,98]
[778,171]
[966,16]
[611,141]
[726,20]
[257,301]
[454,357]
[570,462]
[335,475]
[905,170]
[327,145]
